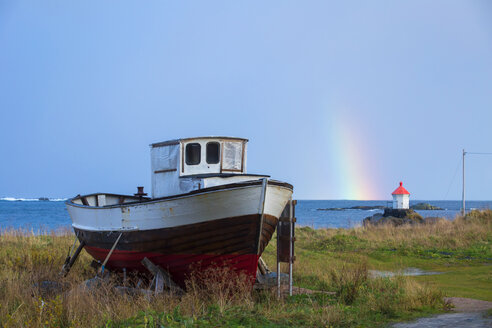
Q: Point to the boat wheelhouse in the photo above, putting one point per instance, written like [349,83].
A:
[180,166]
[205,210]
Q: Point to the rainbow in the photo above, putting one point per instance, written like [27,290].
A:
[353,160]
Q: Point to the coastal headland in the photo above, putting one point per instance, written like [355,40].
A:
[365,276]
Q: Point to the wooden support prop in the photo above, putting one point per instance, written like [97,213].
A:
[69,255]
[68,264]
[262,266]
[261,209]
[159,283]
[162,278]
[110,253]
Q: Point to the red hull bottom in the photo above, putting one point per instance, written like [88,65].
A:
[180,266]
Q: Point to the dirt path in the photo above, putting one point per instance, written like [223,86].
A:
[468,313]
[451,320]
[462,304]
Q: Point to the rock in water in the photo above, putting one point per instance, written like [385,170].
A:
[394,217]
[426,207]
[373,219]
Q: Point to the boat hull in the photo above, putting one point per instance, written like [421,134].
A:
[230,242]
[209,235]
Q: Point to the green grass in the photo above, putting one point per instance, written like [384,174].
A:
[461,249]
[473,281]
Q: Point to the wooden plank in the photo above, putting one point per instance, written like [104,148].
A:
[182,158]
[159,283]
[164,171]
[162,277]
[285,233]
[242,156]
[262,266]
[221,155]
[84,201]
[101,200]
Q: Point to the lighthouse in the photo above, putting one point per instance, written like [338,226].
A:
[401,197]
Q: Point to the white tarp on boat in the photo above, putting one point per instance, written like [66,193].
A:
[232,158]
[165,172]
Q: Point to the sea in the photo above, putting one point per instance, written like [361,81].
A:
[50,215]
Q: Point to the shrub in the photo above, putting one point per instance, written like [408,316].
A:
[348,281]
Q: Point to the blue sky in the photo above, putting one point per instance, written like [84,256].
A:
[342,99]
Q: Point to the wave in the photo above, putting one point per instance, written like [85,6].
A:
[13,199]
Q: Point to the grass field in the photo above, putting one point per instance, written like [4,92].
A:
[334,260]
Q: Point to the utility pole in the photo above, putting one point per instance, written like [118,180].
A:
[463,209]
[463,192]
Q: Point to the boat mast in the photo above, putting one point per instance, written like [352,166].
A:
[463,191]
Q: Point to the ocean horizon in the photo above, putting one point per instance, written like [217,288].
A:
[50,214]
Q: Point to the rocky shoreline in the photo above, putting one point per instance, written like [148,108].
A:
[419,206]
[398,217]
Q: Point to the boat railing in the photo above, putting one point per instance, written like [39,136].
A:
[105,199]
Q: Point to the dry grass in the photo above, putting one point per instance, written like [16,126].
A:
[27,260]
[327,259]
[461,233]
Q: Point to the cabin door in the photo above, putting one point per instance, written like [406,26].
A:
[232,156]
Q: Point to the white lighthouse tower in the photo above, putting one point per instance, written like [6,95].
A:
[401,198]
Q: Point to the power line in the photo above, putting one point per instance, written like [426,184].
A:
[452,180]
[467,152]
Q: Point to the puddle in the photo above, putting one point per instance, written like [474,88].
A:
[404,272]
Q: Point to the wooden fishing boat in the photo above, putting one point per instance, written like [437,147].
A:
[205,211]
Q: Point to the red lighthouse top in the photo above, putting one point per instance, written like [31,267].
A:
[400,190]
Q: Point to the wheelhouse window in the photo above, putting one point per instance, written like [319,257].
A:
[193,153]
[213,152]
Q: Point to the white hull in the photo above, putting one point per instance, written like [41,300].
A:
[182,210]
